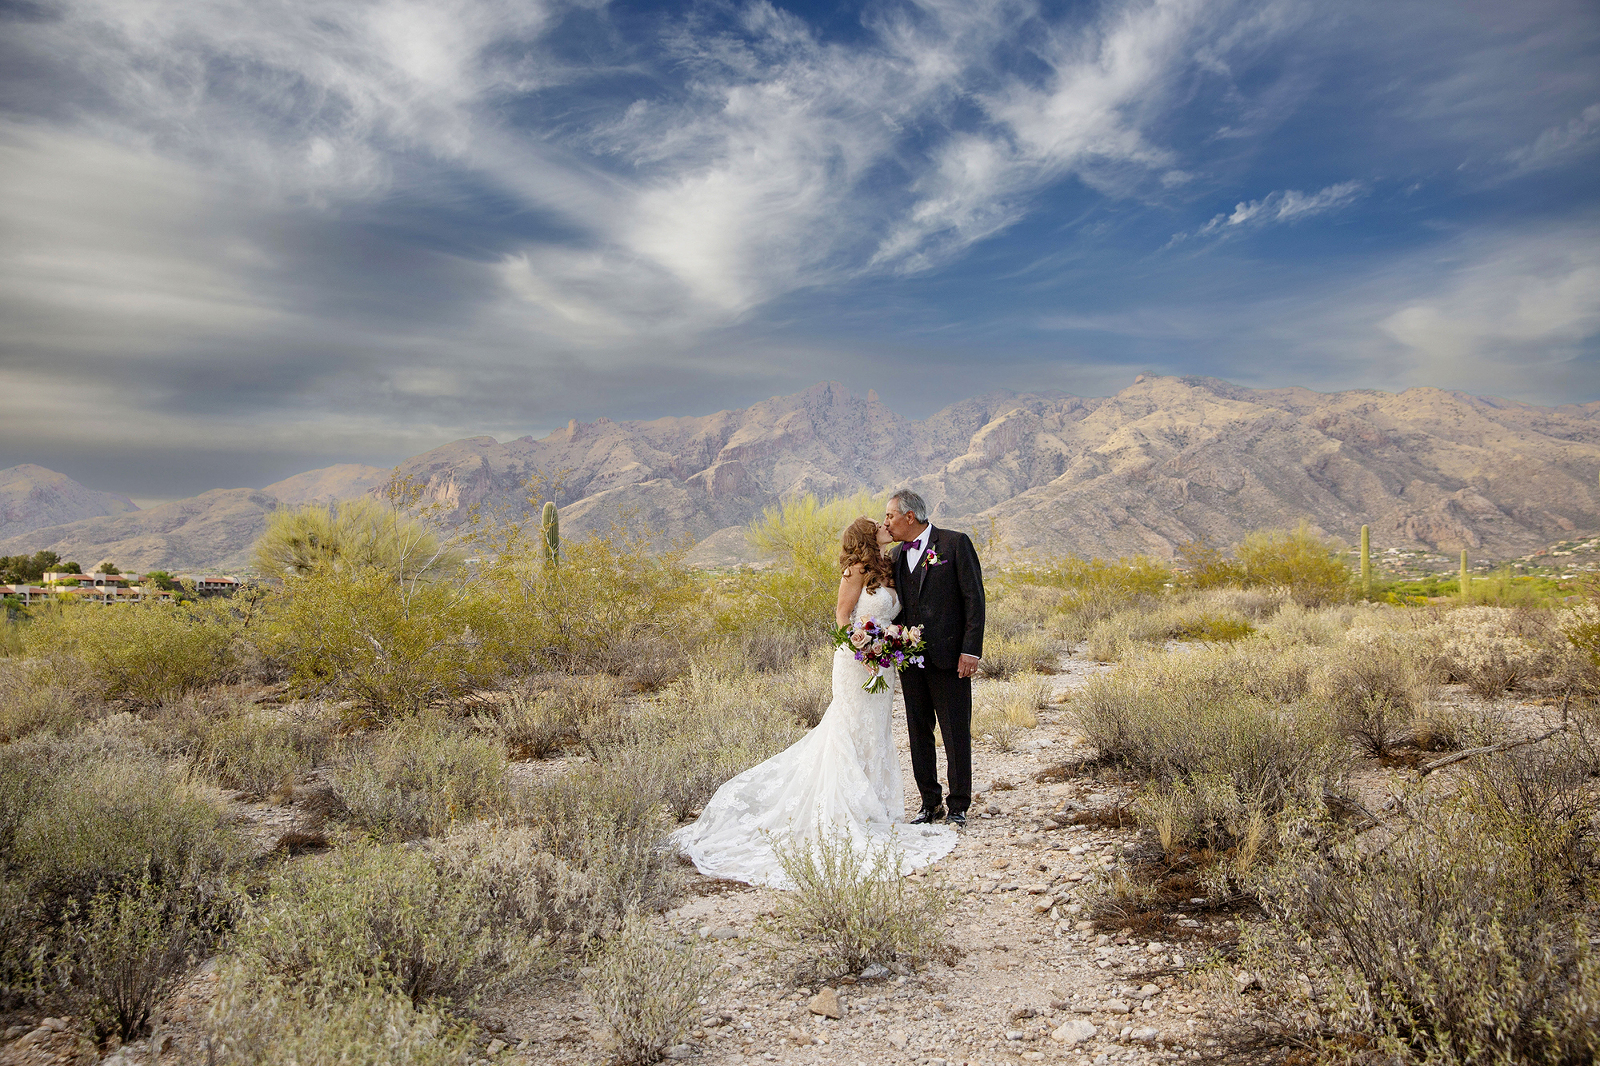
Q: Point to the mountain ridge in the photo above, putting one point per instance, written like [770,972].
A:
[1163,461]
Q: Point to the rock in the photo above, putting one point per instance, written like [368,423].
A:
[900,969]
[15,1031]
[1145,1035]
[898,1038]
[826,1003]
[1015,1034]
[1115,1006]
[35,1036]
[1073,1032]
[1244,981]
[798,1035]
[874,972]
[726,932]
[1022,1014]
[1146,991]
[679,1052]
[495,1047]
[1038,890]
[55,1025]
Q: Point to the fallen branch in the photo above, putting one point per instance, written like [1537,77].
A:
[1424,771]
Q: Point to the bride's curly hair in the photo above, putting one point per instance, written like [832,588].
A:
[860,546]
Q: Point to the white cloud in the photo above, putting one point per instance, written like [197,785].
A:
[1559,144]
[1287,205]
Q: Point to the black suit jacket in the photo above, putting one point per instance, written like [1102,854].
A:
[945,599]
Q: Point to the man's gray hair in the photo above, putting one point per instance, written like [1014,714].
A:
[910,501]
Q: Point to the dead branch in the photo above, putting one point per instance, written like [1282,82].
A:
[1489,749]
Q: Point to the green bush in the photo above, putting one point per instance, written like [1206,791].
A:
[647,989]
[255,1022]
[391,645]
[139,653]
[394,916]
[349,536]
[852,907]
[418,778]
[31,704]
[1461,941]
[1313,569]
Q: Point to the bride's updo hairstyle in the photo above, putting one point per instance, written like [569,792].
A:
[860,547]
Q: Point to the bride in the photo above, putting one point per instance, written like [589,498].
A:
[843,775]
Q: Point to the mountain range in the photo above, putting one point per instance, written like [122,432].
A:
[1165,461]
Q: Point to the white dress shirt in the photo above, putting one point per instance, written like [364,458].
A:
[913,557]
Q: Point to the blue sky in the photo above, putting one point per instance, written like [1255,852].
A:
[238,240]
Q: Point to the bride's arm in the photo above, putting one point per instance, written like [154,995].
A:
[850,586]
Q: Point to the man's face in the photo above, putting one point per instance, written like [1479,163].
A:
[902,525]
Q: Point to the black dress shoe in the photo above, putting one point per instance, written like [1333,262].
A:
[957,819]
[927,816]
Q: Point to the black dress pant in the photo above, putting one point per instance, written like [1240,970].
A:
[940,696]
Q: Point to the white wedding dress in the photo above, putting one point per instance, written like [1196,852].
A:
[843,775]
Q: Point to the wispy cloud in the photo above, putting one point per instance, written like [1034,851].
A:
[1286,205]
[1559,144]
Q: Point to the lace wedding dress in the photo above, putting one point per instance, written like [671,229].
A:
[843,775]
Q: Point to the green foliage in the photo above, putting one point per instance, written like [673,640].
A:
[27,569]
[1310,567]
[1206,566]
[1461,940]
[269,1022]
[139,653]
[391,644]
[30,704]
[1503,588]
[1212,627]
[647,988]
[851,905]
[391,916]
[162,580]
[801,535]
[418,779]
[70,568]
[108,568]
[351,535]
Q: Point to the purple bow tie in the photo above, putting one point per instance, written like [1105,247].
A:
[914,545]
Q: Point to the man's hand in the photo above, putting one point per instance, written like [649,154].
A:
[967,666]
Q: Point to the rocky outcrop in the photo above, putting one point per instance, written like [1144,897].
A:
[343,481]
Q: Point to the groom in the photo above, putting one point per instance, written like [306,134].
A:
[941,586]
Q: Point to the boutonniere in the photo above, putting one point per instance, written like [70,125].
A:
[932,555]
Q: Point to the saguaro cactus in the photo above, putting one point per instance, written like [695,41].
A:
[1466,577]
[1366,564]
[550,526]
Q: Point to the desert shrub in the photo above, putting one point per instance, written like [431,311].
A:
[391,644]
[606,819]
[801,535]
[1460,940]
[139,653]
[1027,652]
[30,704]
[1204,565]
[540,717]
[395,916]
[1002,709]
[1313,569]
[418,778]
[1376,685]
[1495,651]
[254,1022]
[851,907]
[265,751]
[1295,625]
[704,728]
[614,604]
[116,873]
[1224,762]
[1084,591]
[112,961]
[1195,618]
[350,536]
[1581,626]
[647,988]
[802,693]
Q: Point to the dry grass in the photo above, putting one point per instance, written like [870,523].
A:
[1001,710]
[419,779]
[647,988]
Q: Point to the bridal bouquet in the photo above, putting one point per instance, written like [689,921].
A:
[880,647]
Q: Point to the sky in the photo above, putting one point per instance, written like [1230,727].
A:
[244,238]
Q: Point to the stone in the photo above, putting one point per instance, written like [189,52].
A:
[495,1047]
[1244,980]
[898,1038]
[1038,890]
[1015,1034]
[1072,1032]
[1022,1014]
[875,971]
[15,1031]
[798,1036]
[55,1025]
[35,1036]
[679,1052]
[1145,1035]
[826,1003]
[1115,1006]
[726,932]
[1033,1056]
[1146,991]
